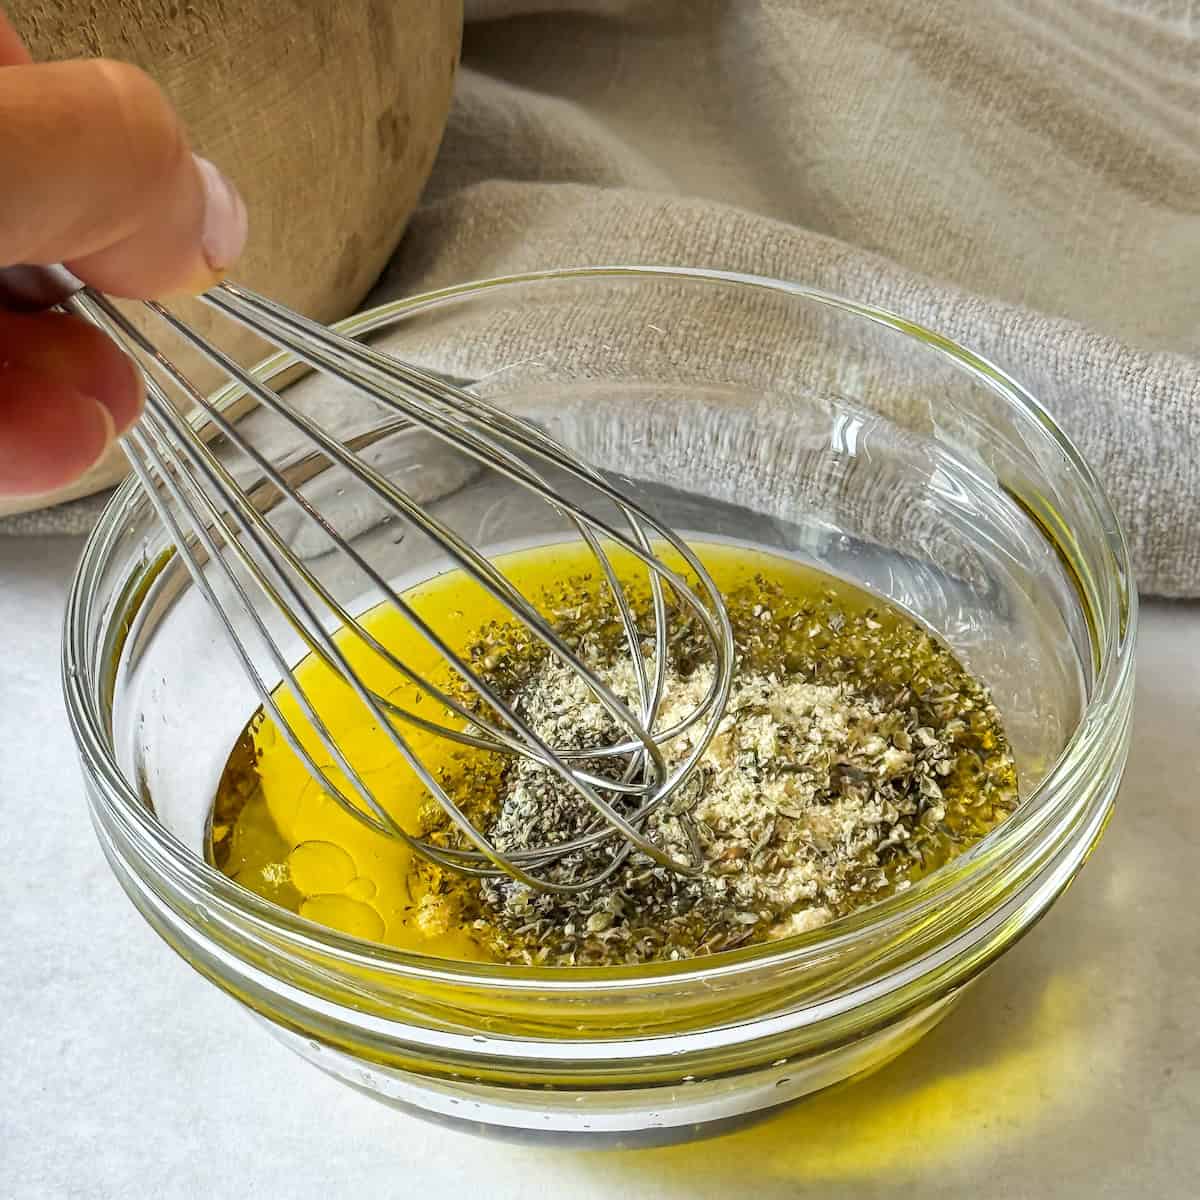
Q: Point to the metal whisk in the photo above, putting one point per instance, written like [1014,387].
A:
[209,516]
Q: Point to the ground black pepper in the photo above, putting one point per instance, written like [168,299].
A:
[856,755]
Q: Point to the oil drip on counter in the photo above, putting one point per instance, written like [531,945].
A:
[855,756]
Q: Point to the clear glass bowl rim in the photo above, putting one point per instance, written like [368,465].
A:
[1103,713]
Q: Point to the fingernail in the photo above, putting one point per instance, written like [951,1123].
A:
[225,220]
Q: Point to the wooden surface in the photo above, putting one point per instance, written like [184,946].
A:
[327,115]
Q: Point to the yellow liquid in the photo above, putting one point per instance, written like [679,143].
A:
[275,831]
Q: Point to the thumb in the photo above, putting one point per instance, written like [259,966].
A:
[98,175]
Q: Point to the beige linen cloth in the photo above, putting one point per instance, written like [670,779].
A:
[1022,175]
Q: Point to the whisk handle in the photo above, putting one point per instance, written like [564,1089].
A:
[32,289]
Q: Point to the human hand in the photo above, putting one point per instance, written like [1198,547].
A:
[98,176]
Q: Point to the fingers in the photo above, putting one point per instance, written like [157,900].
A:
[12,50]
[50,434]
[76,354]
[98,175]
[66,392]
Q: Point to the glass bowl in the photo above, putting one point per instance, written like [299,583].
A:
[738,408]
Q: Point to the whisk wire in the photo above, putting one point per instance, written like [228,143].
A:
[319,641]
[383,821]
[329,351]
[144,452]
[460,551]
[185,480]
[164,455]
[241,303]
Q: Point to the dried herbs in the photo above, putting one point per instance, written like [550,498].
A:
[847,763]
[856,755]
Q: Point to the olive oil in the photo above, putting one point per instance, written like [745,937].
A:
[275,831]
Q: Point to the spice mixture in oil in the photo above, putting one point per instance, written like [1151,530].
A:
[855,755]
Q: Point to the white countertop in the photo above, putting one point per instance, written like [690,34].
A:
[1072,1070]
